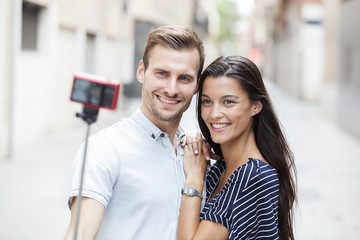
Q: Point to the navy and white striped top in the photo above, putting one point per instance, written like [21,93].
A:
[248,203]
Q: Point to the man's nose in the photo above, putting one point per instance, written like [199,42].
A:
[171,87]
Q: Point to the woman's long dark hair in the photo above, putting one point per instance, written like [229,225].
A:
[268,134]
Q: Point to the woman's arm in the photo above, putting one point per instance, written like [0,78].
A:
[195,169]
[189,226]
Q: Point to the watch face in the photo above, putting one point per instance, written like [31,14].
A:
[190,191]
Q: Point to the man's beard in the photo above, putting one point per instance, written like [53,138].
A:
[170,118]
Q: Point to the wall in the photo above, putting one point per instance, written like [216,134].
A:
[348,105]
[35,83]
[84,35]
[9,42]
[329,92]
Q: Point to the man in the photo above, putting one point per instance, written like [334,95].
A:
[134,174]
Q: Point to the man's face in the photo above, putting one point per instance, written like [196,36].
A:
[169,83]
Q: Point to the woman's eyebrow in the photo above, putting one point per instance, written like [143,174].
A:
[225,96]
[229,95]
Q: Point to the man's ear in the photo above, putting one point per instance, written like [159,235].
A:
[140,72]
[257,107]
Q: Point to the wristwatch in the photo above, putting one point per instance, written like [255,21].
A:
[190,191]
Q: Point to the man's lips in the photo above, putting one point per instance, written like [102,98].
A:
[166,100]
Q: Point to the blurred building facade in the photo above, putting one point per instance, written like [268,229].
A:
[44,42]
[308,47]
[311,49]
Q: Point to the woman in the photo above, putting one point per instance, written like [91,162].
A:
[251,191]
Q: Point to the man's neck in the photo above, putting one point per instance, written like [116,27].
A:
[170,127]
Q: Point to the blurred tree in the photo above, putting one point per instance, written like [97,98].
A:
[228,18]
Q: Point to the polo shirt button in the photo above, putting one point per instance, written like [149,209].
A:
[162,135]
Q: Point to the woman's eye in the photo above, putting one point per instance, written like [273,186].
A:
[205,101]
[228,101]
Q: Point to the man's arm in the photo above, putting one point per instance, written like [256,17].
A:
[91,215]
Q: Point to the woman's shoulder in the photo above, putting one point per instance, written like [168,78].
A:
[255,172]
[256,167]
[260,175]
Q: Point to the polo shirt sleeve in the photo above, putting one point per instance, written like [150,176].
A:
[102,168]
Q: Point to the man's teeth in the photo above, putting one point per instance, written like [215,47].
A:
[220,125]
[167,101]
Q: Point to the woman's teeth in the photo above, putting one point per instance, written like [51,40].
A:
[220,125]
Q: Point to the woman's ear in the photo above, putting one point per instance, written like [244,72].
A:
[257,108]
[140,72]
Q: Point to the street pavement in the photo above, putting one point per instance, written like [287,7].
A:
[34,183]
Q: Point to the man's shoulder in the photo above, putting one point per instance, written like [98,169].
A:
[125,131]
[119,129]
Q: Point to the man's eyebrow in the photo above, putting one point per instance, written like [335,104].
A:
[187,75]
[159,70]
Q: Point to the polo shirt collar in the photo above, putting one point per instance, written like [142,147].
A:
[139,117]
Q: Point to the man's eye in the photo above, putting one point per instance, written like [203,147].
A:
[184,78]
[161,74]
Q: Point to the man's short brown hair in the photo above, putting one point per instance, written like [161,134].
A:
[175,37]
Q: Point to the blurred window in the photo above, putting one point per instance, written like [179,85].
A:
[30,25]
[90,53]
[125,6]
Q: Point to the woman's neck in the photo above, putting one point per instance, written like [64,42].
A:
[238,152]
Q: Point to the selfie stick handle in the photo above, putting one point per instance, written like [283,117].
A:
[89,115]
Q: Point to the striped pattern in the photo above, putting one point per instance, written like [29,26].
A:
[248,203]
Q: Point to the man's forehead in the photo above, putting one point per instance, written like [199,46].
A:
[184,62]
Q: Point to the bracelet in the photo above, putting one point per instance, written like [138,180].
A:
[191,192]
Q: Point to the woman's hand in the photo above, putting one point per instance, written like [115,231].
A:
[195,162]
[208,153]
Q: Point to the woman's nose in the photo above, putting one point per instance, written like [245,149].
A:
[216,111]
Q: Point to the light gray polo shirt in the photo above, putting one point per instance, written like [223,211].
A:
[133,170]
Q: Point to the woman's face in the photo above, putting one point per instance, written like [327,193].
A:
[226,109]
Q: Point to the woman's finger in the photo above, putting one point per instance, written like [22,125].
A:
[183,142]
[206,150]
[197,144]
[195,147]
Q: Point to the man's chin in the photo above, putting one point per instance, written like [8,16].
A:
[169,117]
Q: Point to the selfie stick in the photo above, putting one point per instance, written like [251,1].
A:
[89,115]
